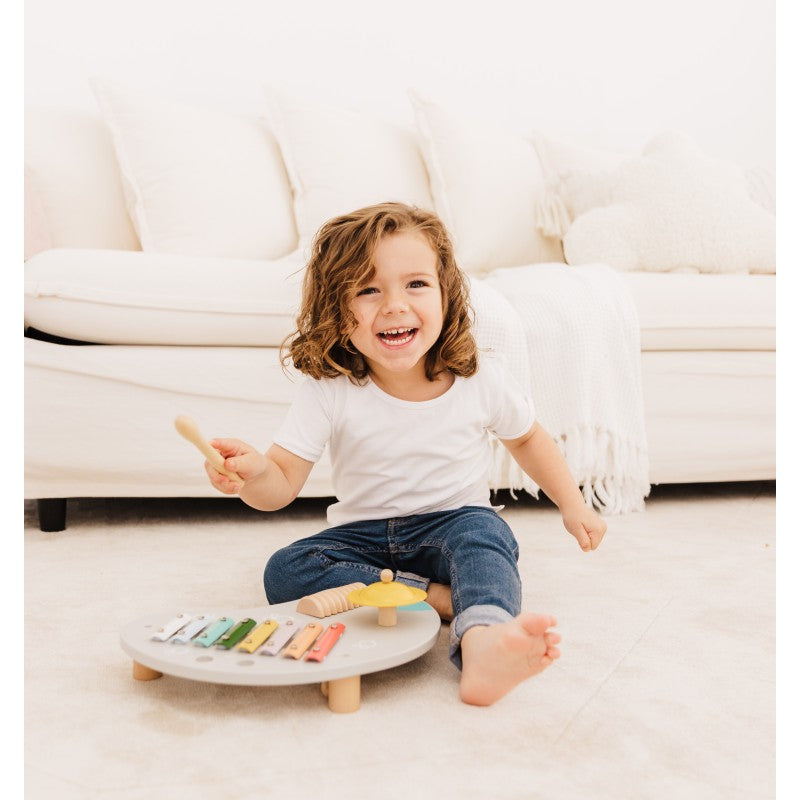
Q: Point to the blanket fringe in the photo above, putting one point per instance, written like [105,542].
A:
[588,452]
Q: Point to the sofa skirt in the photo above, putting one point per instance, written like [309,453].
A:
[99,419]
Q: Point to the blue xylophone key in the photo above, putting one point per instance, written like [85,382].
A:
[215,631]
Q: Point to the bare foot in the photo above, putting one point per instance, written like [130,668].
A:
[496,658]
[441,600]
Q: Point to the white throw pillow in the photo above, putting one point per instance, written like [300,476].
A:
[576,178]
[340,160]
[675,208]
[37,232]
[487,184]
[70,156]
[199,181]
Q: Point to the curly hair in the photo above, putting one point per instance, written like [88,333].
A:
[341,264]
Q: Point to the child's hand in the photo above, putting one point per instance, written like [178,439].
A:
[586,526]
[241,458]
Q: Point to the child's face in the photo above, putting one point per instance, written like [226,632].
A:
[399,311]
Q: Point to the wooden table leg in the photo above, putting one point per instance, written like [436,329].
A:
[344,694]
[143,673]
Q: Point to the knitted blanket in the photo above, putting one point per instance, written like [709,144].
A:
[570,335]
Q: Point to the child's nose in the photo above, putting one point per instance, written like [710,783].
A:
[394,303]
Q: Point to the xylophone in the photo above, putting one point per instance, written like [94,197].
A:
[298,648]
[282,644]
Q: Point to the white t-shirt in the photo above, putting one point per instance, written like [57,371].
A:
[394,458]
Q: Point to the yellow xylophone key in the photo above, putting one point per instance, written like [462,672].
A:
[258,636]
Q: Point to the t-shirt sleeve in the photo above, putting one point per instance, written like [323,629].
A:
[307,427]
[512,411]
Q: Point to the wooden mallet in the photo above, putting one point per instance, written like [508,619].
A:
[187,428]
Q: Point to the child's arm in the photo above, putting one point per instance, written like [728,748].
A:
[539,456]
[271,480]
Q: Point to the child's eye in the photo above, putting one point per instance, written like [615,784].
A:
[418,284]
[367,290]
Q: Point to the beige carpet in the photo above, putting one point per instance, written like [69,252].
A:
[665,688]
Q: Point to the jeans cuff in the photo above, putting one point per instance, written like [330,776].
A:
[411,579]
[469,618]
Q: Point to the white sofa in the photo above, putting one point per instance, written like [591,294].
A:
[171,240]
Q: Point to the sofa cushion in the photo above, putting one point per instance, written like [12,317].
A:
[116,297]
[339,160]
[119,297]
[199,181]
[487,184]
[690,311]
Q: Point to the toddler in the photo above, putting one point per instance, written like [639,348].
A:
[399,392]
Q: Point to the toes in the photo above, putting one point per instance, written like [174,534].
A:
[550,656]
[552,638]
[536,624]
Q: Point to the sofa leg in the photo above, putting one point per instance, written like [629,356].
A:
[52,513]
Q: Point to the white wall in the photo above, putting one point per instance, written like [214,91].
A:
[612,72]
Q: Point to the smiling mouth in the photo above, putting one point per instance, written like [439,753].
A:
[397,336]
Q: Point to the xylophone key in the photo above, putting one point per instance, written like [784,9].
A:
[325,642]
[280,638]
[258,636]
[214,631]
[242,628]
[187,633]
[303,640]
[171,627]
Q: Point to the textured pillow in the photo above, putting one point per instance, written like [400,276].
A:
[339,160]
[576,178]
[487,184]
[197,181]
[761,187]
[675,209]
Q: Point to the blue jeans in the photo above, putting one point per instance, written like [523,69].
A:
[471,549]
